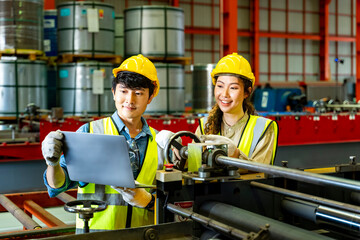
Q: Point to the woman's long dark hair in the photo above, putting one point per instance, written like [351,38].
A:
[213,123]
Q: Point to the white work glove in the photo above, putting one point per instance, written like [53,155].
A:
[52,147]
[162,138]
[137,197]
[217,139]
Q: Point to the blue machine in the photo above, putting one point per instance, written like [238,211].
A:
[273,100]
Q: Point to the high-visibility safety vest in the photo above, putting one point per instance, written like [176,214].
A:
[118,215]
[253,132]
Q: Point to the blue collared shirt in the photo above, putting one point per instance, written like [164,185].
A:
[141,140]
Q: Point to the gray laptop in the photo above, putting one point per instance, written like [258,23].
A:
[98,158]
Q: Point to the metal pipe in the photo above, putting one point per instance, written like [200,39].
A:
[313,178]
[335,217]
[249,221]
[208,222]
[307,197]
[322,214]
[19,214]
[43,215]
[65,197]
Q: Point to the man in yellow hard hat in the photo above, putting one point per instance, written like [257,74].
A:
[134,86]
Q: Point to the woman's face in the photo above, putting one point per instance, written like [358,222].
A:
[229,94]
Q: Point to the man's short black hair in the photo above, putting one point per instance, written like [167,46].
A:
[133,80]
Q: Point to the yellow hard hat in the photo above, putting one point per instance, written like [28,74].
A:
[141,65]
[233,64]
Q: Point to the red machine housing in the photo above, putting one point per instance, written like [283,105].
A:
[293,130]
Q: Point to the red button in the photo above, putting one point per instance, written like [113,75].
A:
[169,166]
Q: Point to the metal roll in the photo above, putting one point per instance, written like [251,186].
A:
[73,30]
[300,208]
[335,217]
[223,228]
[355,197]
[307,197]
[203,88]
[322,214]
[50,32]
[22,82]
[251,222]
[119,35]
[21,24]
[154,31]
[78,87]
[171,97]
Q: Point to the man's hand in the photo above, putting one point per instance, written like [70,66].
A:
[233,151]
[137,197]
[52,147]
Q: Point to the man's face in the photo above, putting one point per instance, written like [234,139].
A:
[131,103]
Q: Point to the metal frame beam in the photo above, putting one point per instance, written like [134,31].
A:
[256,39]
[228,27]
[49,4]
[324,42]
[175,3]
[357,93]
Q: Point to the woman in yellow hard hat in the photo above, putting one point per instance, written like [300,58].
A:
[232,120]
[134,86]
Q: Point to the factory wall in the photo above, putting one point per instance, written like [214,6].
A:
[282,60]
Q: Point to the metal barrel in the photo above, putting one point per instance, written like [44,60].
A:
[154,31]
[119,35]
[50,32]
[21,24]
[74,36]
[202,87]
[171,97]
[22,82]
[84,88]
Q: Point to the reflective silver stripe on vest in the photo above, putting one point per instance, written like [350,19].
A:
[202,127]
[258,129]
[98,126]
[81,230]
[111,199]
